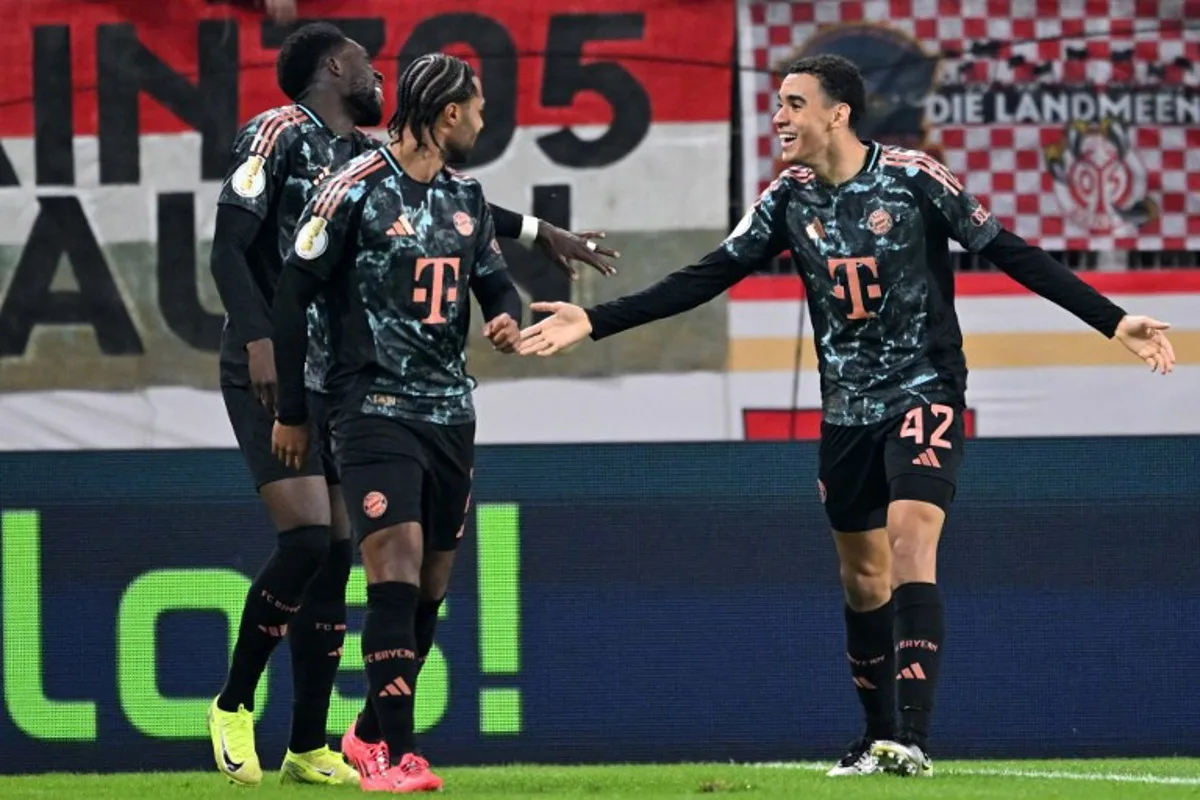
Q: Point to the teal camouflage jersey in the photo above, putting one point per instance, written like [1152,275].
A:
[874,257]
[396,259]
[278,159]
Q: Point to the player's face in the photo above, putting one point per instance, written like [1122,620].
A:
[363,86]
[805,120]
[467,122]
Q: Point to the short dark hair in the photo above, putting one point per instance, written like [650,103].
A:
[302,53]
[426,86]
[839,79]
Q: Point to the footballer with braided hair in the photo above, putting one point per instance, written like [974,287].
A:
[395,241]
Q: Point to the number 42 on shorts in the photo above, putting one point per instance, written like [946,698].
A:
[914,426]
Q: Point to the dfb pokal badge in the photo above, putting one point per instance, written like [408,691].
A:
[311,240]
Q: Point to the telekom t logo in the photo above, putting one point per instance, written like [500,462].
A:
[443,290]
[848,282]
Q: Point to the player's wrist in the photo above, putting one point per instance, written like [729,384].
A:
[257,342]
[291,419]
[530,227]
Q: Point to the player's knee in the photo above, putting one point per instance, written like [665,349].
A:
[297,503]
[329,583]
[914,529]
[394,554]
[867,585]
[435,574]
[306,547]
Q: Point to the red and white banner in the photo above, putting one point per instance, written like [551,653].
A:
[1076,121]
[115,132]
[110,95]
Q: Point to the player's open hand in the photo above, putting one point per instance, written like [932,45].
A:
[563,248]
[263,382]
[503,332]
[1144,337]
[289,443]
[567,325]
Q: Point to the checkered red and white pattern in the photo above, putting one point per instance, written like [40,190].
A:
[1005,164]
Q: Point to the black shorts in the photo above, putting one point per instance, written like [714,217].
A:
[398,470]
[914,456]
[252,425]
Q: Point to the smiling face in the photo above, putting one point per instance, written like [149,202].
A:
[807,118]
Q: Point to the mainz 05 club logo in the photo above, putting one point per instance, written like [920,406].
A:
[1098,178]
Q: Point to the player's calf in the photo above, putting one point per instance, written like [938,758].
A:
[915,528]
[316,637]
[865,566]
[272,602]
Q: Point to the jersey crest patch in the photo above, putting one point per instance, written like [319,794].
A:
[311,240]
[463,223]
[880,222]
[248,180]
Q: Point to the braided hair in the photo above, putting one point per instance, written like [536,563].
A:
[427,86]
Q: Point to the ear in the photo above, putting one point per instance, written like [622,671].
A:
[841,116]
[452,113]
[334,66]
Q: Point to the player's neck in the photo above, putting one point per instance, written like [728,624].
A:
[421,164]
[841,162]
[331,110]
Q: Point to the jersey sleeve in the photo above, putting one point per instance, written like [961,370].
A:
[488,258]
[258,168]
[966,219]
[325,228]
[762,233]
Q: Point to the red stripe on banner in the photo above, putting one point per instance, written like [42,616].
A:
[640,54]
[1166,281]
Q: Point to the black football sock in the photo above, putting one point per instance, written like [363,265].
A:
[389,646]
[426,624]
[367,726]
[872,654]
[271,603]
[919,634]
[315,638]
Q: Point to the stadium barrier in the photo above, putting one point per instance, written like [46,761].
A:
[618,603]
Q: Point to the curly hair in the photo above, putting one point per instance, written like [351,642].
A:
[301,54]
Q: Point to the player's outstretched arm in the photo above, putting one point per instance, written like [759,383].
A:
[974,227]
[560,246]
[1037,271]
[759,237]
[678,292]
